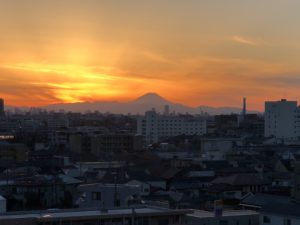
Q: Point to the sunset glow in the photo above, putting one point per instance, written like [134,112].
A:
[74,51]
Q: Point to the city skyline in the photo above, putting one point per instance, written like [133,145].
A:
[196,53]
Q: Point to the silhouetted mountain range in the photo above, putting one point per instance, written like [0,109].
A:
[140,105]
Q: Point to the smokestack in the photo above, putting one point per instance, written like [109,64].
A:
[244,108]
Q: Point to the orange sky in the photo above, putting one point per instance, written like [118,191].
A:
[193,52]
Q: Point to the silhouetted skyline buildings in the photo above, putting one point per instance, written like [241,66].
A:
[2,107]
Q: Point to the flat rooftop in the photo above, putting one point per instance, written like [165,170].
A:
[58,214]
[208,214]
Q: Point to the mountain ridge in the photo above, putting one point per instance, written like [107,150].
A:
[141,104]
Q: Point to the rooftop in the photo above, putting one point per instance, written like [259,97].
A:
[259,200]
[208,214]
[273,204]
[56,214]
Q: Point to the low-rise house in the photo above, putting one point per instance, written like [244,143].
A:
[217,148]
[274,209]
[108,195]
[144,186]
[40,191]
[244,182]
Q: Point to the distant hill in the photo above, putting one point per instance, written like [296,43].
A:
[140,105]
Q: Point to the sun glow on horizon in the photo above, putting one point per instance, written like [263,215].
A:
[70,83]
[75,51]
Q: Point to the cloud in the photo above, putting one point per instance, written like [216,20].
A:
[40,84]
[244,40]
[155,57]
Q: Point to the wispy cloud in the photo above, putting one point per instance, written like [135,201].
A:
[156,57]
[244,40]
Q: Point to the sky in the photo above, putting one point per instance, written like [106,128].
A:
[194,52]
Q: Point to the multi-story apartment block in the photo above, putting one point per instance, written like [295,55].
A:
[155,127]
[57,121]
[282,119]
[99,144]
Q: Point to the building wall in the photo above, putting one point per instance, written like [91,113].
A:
[2,204]
[19,222]
[75,141]
[116,220]
[224,220]
[107,195]
[216,148]
[57,122]
[15,152]
[104,143]
[145,187]
[295,192]
[155,127]
[281,119]
[269,219]
[158,184]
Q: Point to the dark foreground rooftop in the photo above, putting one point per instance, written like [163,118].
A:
[57,214]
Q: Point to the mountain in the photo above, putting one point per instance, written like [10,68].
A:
[140,105]
[151,98]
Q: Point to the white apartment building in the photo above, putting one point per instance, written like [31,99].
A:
[154,126]
[282,119]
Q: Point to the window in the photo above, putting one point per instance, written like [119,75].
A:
[267,219]
[96,196]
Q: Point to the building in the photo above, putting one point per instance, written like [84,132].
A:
[217,148]
[57,121]
[278,214]
[12,153]
[58,138]
[108,195]
[37,191]
[282,119]
[232,217]
[1,107]
[236,185]
[138,215]
[295,192]
[115,142]
[9,125]
[99,144]
[273,209]
[2,204]
[155,127]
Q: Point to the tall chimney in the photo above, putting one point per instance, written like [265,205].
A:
[244,107]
